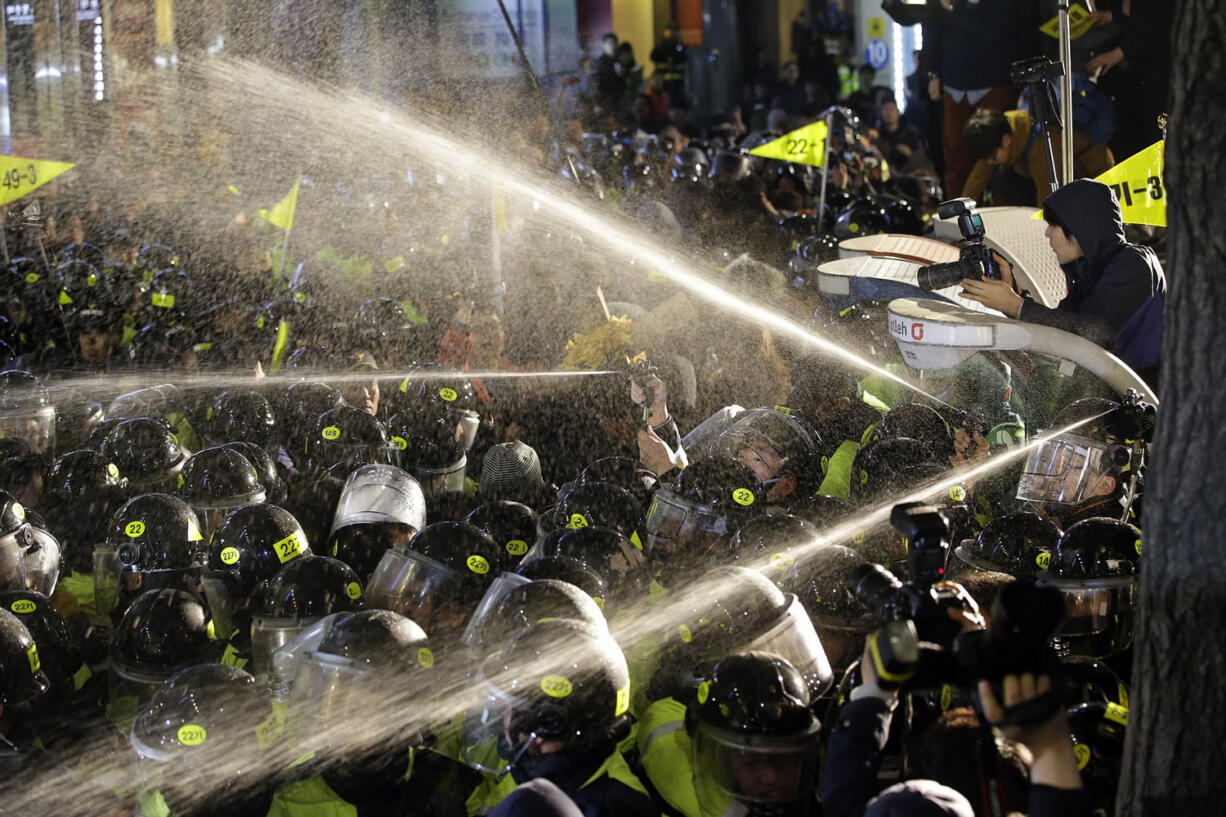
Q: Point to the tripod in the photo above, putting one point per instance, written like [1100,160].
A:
[1045,108]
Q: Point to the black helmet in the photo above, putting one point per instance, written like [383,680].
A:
[837,614]
[430,448]
[516,607]
[734,609]
[303,591]
[434,391]
[1095,565]
[215,481]
[57,652]
[707,501]
[863,216]
[89,253]
[163,631]
[250,546]
[1098,731]
[156,532]
[361,546]
[779,447]
[78,281]
[918,422]
[623,472]
[570,570]
[21,674]
[887,468]
[146,452]
[340,665]
[240,415]
[1071,468]
[348,437]
[773,545]
[153,258]
[300,406]
[620,564]
[751,715]
[439,576]
[818,249]
[601,504]
[207,722]
[578,694]
[16,539]
[1019,544]
[75,417]
[85,490]
[265,468]
[512,524]
[26,411]
[170,294]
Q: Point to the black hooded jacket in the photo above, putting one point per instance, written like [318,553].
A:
[1113,280]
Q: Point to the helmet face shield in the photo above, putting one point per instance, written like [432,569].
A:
[106,578]
[1100,615]
[35,426]
[330,693]
[42,562]
[221,602]
[1065,469]
[13,561]
[794,638]
[754,769]
[214,513]
[438,481]
[673,521]
[380,493]
[474,633]
[269,635]
[486,726]
[411,584]
[129,690]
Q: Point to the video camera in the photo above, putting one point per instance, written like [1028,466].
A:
[1036,69]
[975,259]
[639,369]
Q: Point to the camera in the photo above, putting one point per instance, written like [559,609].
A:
[640,370]
[975,259]
[1036,69]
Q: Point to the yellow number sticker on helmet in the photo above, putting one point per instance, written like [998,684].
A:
[113,470]
[135,530]
[32,657]
[957,493]
[163,300]
[23,607]
[685,633]
[425,657]
[289,548]
[1043,560]
[477,564]
[191,734]
[743,496]
[704,692]
[947,697]
[556,686]
[229,556]
[400,443]
[193,531]
[31,277]
[781,561]
[1137,544]
[577,520]
[1116,713]
[623,701]
[1082,753]
[517,547]
[331,433]
[353,590]
[448,394]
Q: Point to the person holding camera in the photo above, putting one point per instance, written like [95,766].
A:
[1116,290]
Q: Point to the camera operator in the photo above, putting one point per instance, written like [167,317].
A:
[1116,290]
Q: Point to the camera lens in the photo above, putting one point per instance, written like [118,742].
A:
[875,587]
[940,276]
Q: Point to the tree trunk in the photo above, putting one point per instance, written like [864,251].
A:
[1174,763]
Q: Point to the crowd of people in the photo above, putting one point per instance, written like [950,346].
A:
[338,522]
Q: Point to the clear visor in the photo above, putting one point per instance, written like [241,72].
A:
[410,584]
[267,636]
[484,743]
[106,578]
[671,519]
[755,770]
[438,481]
[794,638]
[12,563]
[473,638]
[1063,470]
[35,426]
[42,563]
[381,493]
[1095,606]
[211,515]
[329,694]
[130,689]
[221,604]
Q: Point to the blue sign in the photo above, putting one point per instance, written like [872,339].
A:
[877,54]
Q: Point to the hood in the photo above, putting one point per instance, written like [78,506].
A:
[919,798]
[1090,211]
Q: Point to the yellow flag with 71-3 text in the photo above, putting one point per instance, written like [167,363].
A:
[282,213]
[805,146]
[20,177]
[1138,184]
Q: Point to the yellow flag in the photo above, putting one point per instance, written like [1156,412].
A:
[805,146]
[23,176]
[1079,22]
[1138,184]
[282,213]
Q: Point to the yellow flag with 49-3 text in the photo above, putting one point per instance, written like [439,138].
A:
[20,177]
[282,213]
